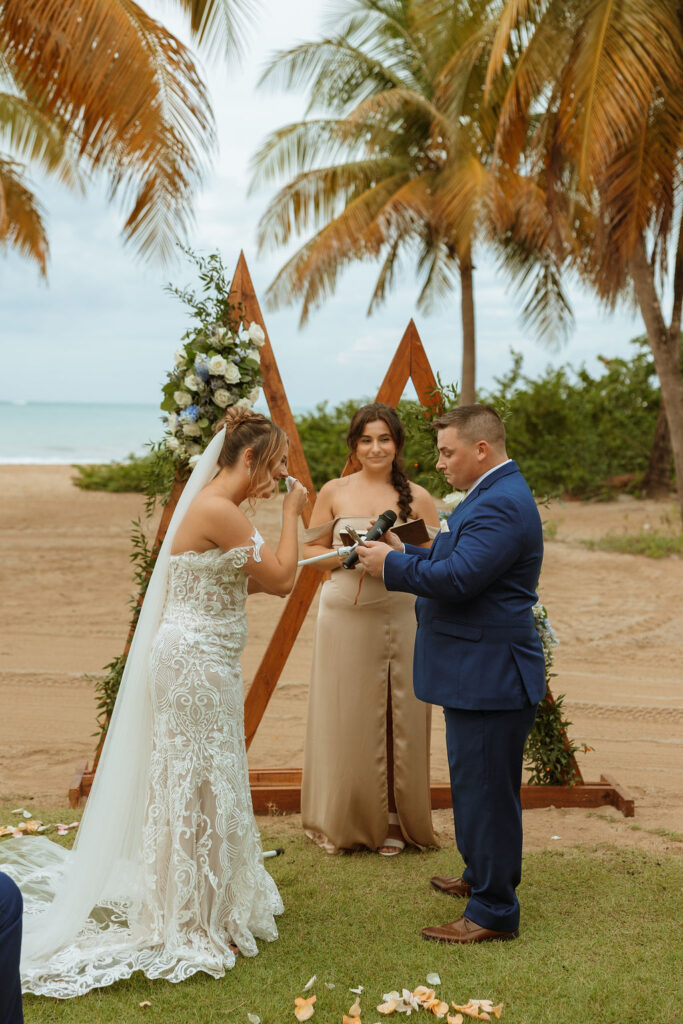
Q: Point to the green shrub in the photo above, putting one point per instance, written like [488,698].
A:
[650,543]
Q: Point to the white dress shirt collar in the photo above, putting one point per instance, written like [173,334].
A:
[484,475]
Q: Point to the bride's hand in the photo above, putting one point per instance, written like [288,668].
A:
[296,498]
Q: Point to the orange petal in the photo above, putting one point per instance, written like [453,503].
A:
[450,1019]
[438,1007]
[355,1009]
[387,1007]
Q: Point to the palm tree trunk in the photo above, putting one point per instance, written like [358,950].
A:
[467,389]
[665,345]
[657,476]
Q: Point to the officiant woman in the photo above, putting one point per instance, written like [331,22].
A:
[366,757]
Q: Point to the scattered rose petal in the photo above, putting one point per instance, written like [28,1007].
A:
[17,834]
[27,814]
[556,837]
[303,1008]
[497,1010]
[388,1007]
[310,983]
[454,1020]
[146,1002]
[253,1018]
[355,1009]
[356,991]
[433,979]
[17,810]
[329,984]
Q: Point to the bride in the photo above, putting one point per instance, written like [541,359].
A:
[167,873]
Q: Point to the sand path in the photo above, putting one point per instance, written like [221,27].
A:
[66,581]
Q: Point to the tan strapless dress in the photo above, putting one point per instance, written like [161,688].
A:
[363,667]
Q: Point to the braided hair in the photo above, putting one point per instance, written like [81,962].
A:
[399,481]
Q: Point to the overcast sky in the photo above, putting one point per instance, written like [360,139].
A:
[103,329]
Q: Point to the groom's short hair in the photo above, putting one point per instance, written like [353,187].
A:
[474,423]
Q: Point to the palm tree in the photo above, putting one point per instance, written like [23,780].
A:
[99,85]
[401,165]
[607,79]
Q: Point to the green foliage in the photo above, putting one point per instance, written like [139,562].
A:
[571,432]
[127,476]
[549,755]
[650,543]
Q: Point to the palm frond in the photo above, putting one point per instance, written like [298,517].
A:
[129,94]
[316,197]
[32,137]
[21,219]
[220,26]
[298,147]
[336,73]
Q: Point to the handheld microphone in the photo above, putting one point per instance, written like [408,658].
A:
[381,525]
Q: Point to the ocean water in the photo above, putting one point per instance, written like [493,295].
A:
[42,432]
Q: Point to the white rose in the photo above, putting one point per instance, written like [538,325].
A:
[194,449]
[454,499]
[173,423]
[243,403]
[194,459]
[192,430]
[193,382]
[217,365]
[231,373]
[179,356]
[253,353]
[219,332]
[172,443]
[253,395]
[256,334]
[182,398]
[221,397]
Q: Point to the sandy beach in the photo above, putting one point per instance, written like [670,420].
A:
[67,579]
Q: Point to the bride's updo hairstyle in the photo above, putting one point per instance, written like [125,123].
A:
[247,429]
[379,411]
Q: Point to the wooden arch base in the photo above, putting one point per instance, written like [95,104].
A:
[280,789]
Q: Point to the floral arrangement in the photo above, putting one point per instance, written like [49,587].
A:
[213,370]
[218,365]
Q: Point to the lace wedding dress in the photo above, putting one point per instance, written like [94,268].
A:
[167,870]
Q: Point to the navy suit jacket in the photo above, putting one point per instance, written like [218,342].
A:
[477,646]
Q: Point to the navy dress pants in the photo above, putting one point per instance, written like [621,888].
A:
[485,752]
[10,948]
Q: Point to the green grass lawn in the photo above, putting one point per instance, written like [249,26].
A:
[600,942]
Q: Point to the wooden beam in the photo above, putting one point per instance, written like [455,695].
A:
[278,650]
[280,789]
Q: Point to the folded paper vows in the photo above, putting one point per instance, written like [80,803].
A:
[409,533]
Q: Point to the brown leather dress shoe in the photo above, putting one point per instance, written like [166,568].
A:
[451,886]
[463,930]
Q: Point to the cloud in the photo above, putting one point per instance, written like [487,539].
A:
[104,329]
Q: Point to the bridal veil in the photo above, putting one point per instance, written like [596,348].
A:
[82,892]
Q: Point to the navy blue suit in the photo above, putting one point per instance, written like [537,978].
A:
[478,655]
[10,948]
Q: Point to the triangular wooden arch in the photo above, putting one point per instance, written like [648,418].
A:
[281,788]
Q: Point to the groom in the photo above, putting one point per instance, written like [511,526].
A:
[477,653]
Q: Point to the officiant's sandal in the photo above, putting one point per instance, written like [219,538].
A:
[392,845]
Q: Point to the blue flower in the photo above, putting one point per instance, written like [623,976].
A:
[190,414]
[201,366]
